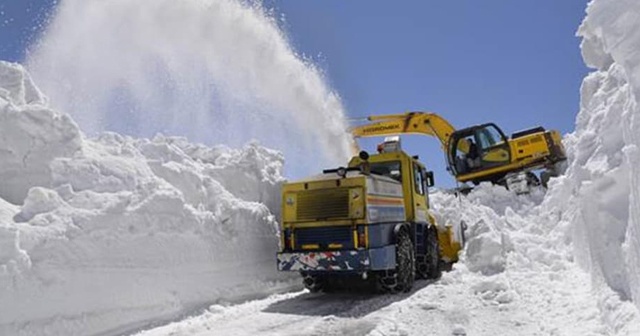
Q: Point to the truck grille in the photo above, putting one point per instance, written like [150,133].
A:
[323,204]
[323,236]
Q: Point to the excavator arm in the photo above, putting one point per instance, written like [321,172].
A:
[408,123]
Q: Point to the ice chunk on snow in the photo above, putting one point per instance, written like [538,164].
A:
[485,250]
[39,200]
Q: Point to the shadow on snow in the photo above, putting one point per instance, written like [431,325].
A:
[340,304]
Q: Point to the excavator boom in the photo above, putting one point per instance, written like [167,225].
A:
[422,123]
[408,123]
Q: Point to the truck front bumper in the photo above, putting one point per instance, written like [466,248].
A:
[382,258]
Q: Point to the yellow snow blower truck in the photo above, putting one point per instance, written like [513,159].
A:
[482,152]
[367,224]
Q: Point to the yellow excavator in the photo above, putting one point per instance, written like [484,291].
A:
[482,152]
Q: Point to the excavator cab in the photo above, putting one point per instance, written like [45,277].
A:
[477,148]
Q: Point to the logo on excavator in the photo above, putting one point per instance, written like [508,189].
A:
[380,128]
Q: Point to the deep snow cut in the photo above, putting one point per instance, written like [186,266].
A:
[106,234]
[216,71]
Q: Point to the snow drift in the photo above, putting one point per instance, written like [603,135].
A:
[102,234]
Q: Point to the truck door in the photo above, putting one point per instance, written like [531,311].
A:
[419,193]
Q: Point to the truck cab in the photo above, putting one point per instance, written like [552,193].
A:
[369,221]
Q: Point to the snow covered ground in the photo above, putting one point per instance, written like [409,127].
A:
[110,234]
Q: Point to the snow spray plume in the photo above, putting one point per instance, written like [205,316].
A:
[216,71]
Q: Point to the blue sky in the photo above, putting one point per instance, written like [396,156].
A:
[515,63]
[20,23]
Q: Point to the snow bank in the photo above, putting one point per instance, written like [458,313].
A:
[499,226]
[103,235]
[599,195]
[519,262]
[31,135]
[190,67]
[591,215]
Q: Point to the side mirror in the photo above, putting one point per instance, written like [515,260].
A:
[428,177]
[364,156]
[365,167]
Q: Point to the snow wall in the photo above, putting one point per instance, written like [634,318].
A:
[589,217]
[105,234]
[600,194]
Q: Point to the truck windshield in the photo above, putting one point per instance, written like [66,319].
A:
[390,169]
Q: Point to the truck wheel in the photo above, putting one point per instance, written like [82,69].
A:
[400,279]
[428,265]
[313,283]
[432,257]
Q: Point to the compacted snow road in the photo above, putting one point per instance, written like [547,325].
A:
[457,304]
